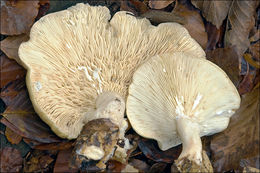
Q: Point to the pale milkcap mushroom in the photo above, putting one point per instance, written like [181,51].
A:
[80,62]
[177,98]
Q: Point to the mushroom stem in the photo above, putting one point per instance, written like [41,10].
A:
[189,133]
[100,134]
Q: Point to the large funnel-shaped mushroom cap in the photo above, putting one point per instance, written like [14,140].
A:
[76,54]
[172,86]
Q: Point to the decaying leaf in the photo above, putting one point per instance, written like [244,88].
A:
[193,23]
[115,166]
[213,36]
[254,49]
[20,116]
[38,161]
[48,146]
[247,84]
[156,17]
[12,137]
[11,44]
[134,6]
[214,11]
[18,16]
[155,4]
[248,57]
[241,139]
[62,162]
[152,151]
[10,70]
[158,167]
[11,160]
[228,60]
[240,22]
[139,165]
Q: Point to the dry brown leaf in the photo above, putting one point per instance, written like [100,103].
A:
[11,160]
[11,44]
[254,49]
[156,17]
[214,11]
[12,137]
[193,23]
[241,139]
[38,161]
[134,6]
[18,16]
[20,116]
[10,71]
[155,4]
[151,150]
[240,22]
[62,162]
[213,36]
[228,60]
[247,84]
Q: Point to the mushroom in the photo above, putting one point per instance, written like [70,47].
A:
[178,98]
[80,63]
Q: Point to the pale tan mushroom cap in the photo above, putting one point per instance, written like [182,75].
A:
[179,85]
[76,54]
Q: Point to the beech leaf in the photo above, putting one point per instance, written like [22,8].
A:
[240,22]
[20,115]
[214,11]
[193,23]
[10,70]
[241,139]
[155,4]
[11,44]
[228,60]
[11,160]
[18,16]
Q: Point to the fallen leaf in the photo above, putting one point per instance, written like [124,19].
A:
[151,150]
[38,161]
[139,165]
[155,4]
[158,167]
[11,44]
[10,70]
[248,57]
[194,23]
[213,36]
[49,146]
[115,166]
[228,60]
[11,160]
[254,49]
[44,7]
[12,137]
[250,162]
[247,84]
[18,16]
[240,22]
[214,11]
[20,116]
[156,17]
[241,139]
[62,162]
[134,6]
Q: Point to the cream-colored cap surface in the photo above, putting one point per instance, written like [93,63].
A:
[178,85]
[76,54]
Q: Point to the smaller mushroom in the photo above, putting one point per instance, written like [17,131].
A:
[177,98]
